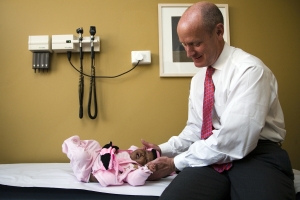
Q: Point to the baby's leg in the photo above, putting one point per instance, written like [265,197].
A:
[81,164]
[81,154]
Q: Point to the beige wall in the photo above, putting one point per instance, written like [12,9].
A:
[40,110]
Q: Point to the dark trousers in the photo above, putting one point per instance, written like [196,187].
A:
[265,173]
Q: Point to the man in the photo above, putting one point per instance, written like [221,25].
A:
[239,157]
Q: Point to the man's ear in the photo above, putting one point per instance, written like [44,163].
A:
[220,30]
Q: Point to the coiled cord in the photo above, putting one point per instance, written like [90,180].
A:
[81,85]
[92,88]
[93,77]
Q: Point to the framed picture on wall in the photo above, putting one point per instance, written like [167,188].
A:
[173,61]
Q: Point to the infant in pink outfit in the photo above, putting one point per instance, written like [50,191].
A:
[108,165]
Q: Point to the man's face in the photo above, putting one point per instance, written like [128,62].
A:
[199,45]
[142,156]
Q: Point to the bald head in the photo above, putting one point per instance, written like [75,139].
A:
[200,30]
[204,14]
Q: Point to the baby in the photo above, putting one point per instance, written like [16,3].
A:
[108,165]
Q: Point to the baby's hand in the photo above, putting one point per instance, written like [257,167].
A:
[151,167]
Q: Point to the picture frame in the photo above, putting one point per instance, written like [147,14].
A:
[172,57]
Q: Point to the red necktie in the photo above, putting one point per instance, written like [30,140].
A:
[208,103]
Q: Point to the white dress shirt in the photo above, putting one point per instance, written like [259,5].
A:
[246,109]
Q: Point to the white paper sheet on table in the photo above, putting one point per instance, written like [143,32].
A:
[60,175]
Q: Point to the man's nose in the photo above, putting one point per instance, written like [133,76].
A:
[190,51]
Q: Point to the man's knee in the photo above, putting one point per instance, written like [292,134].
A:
[264,174]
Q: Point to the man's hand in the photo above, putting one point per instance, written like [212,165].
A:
[164,166]
[148,145]
[151,167]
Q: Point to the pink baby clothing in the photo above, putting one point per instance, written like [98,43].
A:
[85,158]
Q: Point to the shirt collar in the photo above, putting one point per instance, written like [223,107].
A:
[222,58]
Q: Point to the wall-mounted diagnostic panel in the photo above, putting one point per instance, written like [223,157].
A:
[40,46]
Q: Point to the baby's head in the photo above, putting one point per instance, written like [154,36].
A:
[143,156]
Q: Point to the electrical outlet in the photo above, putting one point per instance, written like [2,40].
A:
[145,57]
